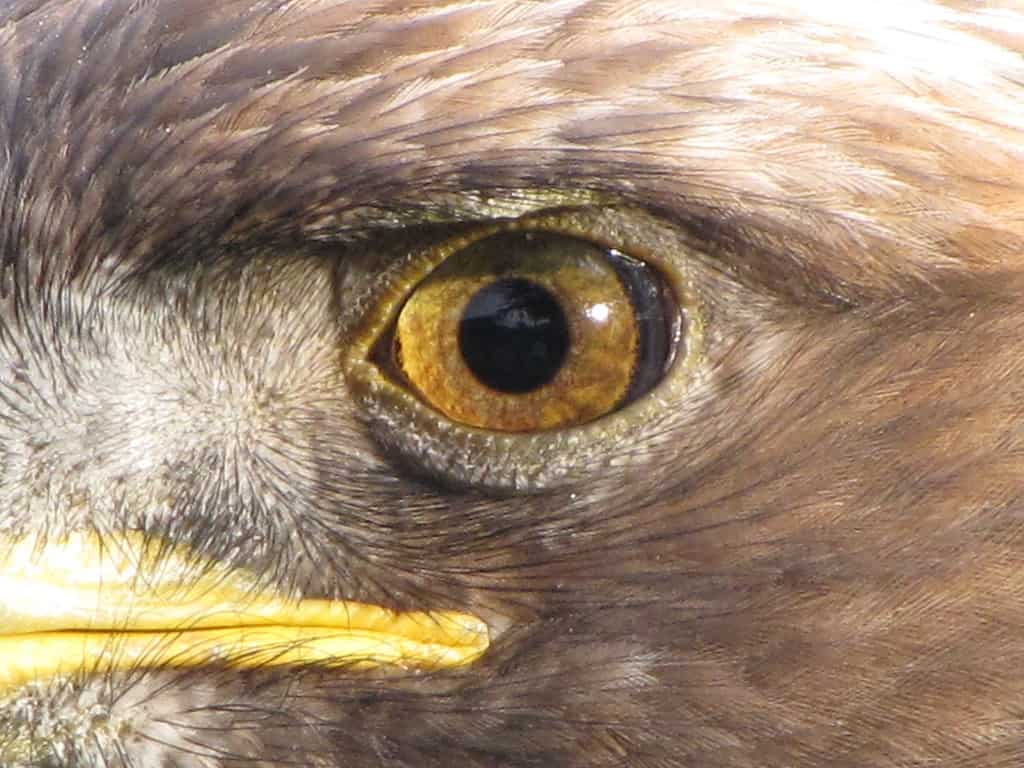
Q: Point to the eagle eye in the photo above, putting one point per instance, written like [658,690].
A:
[524,331]
[521,354]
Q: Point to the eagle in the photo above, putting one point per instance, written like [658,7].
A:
[540,383]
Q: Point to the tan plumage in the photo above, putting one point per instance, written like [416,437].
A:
[812,558]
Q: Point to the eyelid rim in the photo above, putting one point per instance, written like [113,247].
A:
[525,462]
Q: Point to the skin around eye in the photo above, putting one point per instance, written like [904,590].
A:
[414,368]
[528,331]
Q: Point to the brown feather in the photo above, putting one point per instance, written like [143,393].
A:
[814,558]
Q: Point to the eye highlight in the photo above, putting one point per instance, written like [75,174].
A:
[524,331]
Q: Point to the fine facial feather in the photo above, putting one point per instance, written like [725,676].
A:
[814,559]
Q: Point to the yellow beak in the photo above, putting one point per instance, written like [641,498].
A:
[83,604]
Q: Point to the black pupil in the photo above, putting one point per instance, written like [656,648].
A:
[513,336]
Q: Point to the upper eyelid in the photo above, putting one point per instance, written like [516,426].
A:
[743,251]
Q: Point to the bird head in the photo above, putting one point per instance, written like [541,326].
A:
[492,382]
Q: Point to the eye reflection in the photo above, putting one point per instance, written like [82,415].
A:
[599,313]
[530,331]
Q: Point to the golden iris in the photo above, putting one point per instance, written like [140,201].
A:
[521,331]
